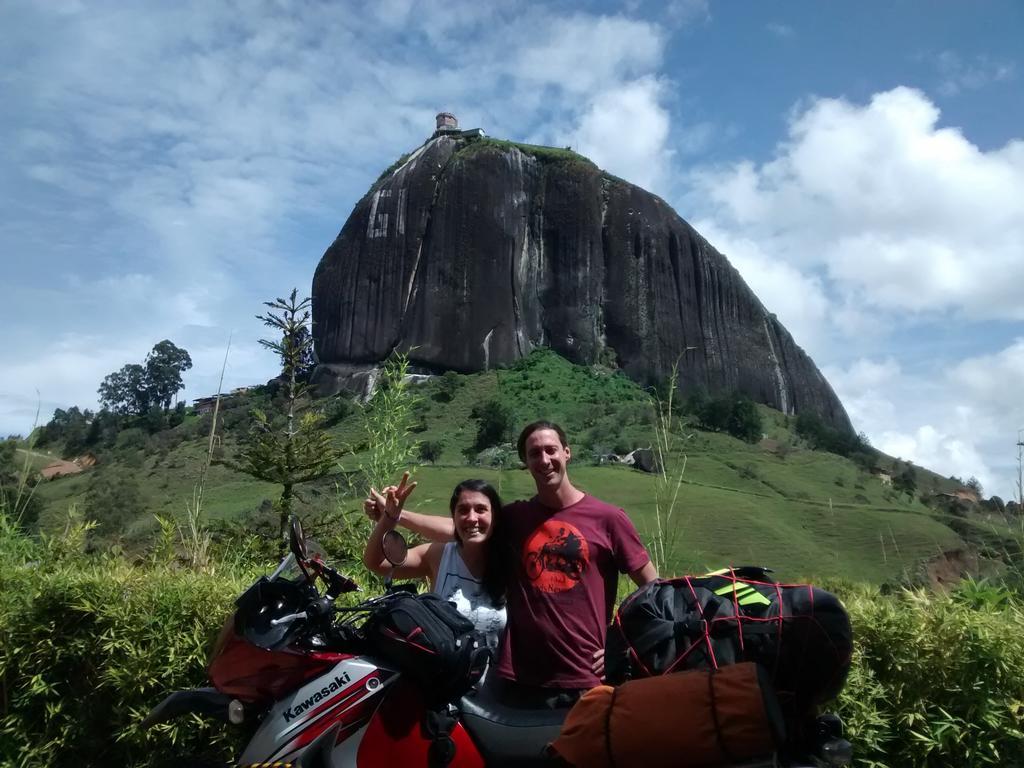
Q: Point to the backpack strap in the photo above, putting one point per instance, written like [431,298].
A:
[438,725]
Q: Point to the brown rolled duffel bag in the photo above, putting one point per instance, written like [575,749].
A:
[691,719]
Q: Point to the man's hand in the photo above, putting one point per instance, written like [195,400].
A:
[598,664]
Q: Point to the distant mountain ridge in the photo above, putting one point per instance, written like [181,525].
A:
[472,252]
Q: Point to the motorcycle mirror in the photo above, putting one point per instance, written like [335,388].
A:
[296,539]
[395,547]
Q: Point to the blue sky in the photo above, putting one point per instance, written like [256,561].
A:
[166,167]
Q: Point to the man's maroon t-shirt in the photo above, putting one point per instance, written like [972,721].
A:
[562,568]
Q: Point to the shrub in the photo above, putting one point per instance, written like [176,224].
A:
[447,385]
[89,646]
[937,680]
[495,424]
[113,500]
[430,450]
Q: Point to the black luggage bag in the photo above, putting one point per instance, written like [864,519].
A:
[799,633]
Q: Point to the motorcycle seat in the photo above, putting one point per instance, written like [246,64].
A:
[508,736]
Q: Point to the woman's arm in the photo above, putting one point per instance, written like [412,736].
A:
[420,563]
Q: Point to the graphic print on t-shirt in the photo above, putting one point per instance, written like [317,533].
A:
[555,556]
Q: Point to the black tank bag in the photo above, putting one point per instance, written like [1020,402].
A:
[426,638]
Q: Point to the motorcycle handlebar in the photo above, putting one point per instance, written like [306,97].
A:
[289,618]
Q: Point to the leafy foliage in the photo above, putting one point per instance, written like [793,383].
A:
[822,437]
[937,680]
[18,502]
[135,388]
[300,450]
[89,645]
[430,450]
[494,424]
[387,423]
[734,414]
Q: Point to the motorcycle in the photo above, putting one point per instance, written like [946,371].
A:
[294,668]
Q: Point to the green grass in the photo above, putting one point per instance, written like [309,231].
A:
[808,515]
[718,527]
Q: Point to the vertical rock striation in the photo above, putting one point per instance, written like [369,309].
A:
[473,252]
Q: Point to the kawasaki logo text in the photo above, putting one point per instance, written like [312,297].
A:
[338,683]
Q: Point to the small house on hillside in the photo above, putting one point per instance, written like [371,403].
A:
[203,405]
[883,475]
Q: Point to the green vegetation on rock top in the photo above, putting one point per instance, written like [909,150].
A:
[541,153]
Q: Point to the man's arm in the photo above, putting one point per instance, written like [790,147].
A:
[430,527]
[644,575]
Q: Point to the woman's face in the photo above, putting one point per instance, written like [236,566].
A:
[473,517]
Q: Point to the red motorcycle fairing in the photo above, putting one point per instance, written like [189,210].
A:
[257,676]
[337,706]
[395,737]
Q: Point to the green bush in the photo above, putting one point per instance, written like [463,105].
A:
[937,680]
[89,646]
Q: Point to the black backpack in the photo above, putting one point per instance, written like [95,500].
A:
[800,634]
[426,638]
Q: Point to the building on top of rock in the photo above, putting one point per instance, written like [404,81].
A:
[448,125]
[446,121]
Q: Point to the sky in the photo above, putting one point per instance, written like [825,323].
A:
[166,167]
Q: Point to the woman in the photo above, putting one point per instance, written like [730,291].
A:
[464,571]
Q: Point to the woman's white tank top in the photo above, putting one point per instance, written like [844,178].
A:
[456,584]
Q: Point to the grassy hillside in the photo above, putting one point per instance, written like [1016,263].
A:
[805,513]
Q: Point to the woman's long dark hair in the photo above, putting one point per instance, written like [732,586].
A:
[493,580]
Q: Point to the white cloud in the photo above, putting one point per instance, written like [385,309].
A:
[873,222]
[972,74]
[780,30]
[682,12]
[625,130]
[582,53]
[908,215]
[962,421]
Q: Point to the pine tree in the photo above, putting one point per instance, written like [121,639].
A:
[299,450]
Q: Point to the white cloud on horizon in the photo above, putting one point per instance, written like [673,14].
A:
[872,218]
[962,421]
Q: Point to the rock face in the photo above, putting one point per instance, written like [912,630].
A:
[473,252]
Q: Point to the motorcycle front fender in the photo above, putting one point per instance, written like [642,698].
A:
[203,701]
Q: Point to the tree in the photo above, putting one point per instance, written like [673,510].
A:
[744,420]
[495,423]
[294,449]
[135,389]
[447,385]
[430,450]
[164,366]
[906,481]
[974,484]
[124,391]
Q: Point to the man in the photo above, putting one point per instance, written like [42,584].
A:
[562,553]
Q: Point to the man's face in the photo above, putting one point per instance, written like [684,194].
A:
[546,458]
